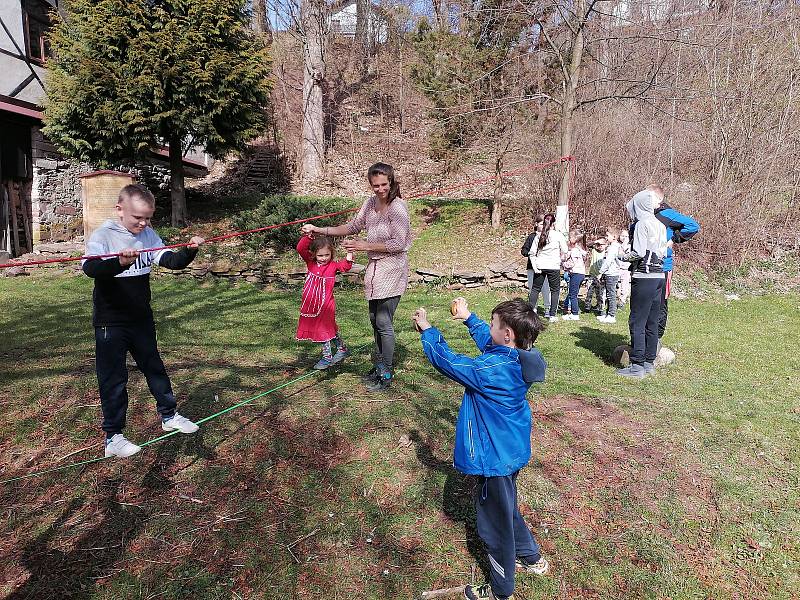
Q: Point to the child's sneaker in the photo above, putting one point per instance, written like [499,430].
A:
[610,319]
[649,369]
[553,319]
[567,317]
[340,355]
[178,422]
[540,567]
[117,445]
[633,372]
[601,318]
[323,363]
[483,592]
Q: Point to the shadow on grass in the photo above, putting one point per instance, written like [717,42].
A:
[600,342]
[74,574]
[457,498]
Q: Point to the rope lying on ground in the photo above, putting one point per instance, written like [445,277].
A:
[171,433]
[527,168]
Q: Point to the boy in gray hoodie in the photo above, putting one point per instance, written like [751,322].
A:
[648,249]
[122,317]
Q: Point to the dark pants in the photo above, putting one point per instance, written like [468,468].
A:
[112,345]
[381,315]
[643,321]
[610,285]
[662,319]
[503,530]
[554,281]
[571,303]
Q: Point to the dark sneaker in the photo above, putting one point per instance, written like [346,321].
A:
[632,372]
[539,567]
[323,364]
[483,592]
[370,377]
[381,383]
[340,355]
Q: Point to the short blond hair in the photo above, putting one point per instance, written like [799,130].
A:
[654,187]
[137,190]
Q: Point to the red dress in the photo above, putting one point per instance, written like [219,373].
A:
[318,308]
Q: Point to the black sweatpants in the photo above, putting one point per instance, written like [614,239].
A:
[112,345]
[381,315]
[643,321]
[503,530]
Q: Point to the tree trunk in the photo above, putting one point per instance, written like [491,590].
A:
[363,31]
[261,19]
[497,202]
[571,79]
[313,147]
[177,191]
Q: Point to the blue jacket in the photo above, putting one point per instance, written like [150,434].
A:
[680,228]
[493,431]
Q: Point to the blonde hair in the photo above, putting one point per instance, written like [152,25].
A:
[613,231]
[654,187]
[138,191]
[577,237]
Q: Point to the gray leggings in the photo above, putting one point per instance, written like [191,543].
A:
[381,315]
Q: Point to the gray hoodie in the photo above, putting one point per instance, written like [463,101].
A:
[649,240]
[122,294]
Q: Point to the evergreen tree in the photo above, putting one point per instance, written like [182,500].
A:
[130,75]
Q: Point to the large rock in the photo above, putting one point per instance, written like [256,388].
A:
[621,356]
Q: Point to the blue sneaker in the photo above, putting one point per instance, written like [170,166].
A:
[323,364]
[340,355]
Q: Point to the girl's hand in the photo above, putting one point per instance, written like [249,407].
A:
[349,257]
[355,245]
[309,229]
[459,309]
[420,319]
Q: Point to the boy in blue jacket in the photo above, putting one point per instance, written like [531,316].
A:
[493,431]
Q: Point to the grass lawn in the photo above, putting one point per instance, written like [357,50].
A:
[681,486]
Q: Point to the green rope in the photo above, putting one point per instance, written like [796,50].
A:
[171,433]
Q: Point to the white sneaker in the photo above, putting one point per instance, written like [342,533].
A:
[553,319]
[540,567]
[119,446]
[601,318]
[610,319]
[567,317]
[180,423]
[576,317]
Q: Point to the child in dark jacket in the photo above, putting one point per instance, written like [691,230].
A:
[493,431]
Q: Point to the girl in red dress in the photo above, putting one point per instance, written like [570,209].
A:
[318,308]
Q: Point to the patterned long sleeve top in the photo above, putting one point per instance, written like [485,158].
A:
[386,274]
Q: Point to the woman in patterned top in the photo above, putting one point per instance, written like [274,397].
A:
[385,218]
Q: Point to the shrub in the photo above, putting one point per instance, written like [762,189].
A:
[282,208]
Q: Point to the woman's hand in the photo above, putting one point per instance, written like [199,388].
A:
[309,229]
[355,245]
[196,241]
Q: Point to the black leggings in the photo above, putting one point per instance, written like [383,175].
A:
[381,315]
[554,281]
